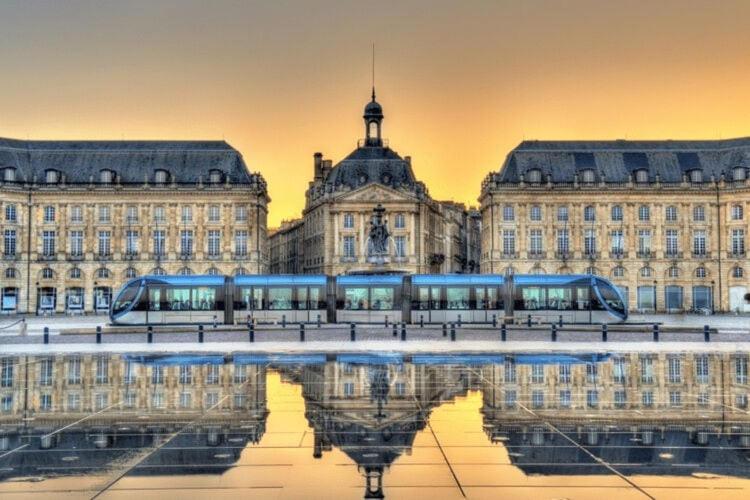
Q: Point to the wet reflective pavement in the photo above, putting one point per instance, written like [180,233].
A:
[621,425]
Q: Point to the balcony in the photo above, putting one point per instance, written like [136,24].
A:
[213,256]
[11,256]
[103,257]
[736,255]
[348,258]
[400,258]
[563,255]
[185,256]
[240,256]
[645,254]
[75,257]
[47,257]
[591,255]
[509,255]
[701,255]
[131,256]
[535,254]
[618,254]
[672,254]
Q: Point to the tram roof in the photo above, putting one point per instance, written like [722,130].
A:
[370,279]
[280,279]
[193,279]
[549,279]
[458,279]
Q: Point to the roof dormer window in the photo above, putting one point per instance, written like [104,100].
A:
[214,176]
[161,177]
[534,176]
[696,176]
[739,174]
[641,176]
[106,176]
[9,174]
[588,176]
[51,176]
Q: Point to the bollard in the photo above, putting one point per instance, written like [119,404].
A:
[46,335]
[421,321]
[395,329]
[706,334]
[445,330]
[604,332]
[386,321]
[301,332]
[459,321]
[352,332]
[215,321]
[150,335]
[403,332]
[318,320]
[494,321]
[554,332]
[453,332]
[528,321]
[251,331]
[283,321]
[98,334]
[200,334]
[503,333]
[560,321]
[656,332]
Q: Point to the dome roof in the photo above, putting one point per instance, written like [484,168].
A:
[373,109]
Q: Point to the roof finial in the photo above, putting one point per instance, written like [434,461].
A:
[373,72]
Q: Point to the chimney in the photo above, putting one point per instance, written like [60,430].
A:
[317,160]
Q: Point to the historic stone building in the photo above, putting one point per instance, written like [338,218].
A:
[369,213]
[78,218]
[665,220]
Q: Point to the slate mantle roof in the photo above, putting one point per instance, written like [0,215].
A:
[615,161]
[368,164]
[80,161]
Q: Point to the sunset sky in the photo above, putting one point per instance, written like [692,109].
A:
[461,82]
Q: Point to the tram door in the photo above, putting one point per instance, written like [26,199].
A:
[583,304]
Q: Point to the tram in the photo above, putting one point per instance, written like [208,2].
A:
[426,298]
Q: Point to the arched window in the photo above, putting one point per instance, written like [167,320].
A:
[588,176]
[130,273]
[212,271]
[373,125]
[10,273]
[47,273]
[589,214]
[103,273]
[696,176]
[185,271]
[161,176]
[51,176]
[618,272]
[534,176]
[240,271]
[591,270]
[214,176]
[158,271]
[739,174]
[738,272]
[617,215]
[673,272]
[106,176]
[646,272]
[738,212]
[9,174]
[641,176]
[700,272]
[75,273]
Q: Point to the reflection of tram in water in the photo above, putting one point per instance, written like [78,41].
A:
[428,298]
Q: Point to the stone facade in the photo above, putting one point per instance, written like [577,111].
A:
[425,235]
[79,219]
[664,220]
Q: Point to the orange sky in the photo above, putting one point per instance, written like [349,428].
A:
[461,82]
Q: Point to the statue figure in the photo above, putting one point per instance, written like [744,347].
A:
[378,232]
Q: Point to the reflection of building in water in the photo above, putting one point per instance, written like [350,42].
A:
[373,412]
[129,404]
[637,410]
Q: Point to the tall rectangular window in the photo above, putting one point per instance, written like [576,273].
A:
[131,242]
[159,235]
[76,214]
[670,213]
[672,243]
[11,215]
[349,246]
[214,243]
[49,213]
[400,222]
[186,242]
[738,241]
[348,220]
[699,213]
[102,370]
[644,213]
[589,241]
[400,244]
[618,241]
[187,213]
[132,214]
[6,372]
[76,243]
[240,213]
[9,242]
[644,241]
[647,370]
[699,242]
[104,214]
[537,374]
[564,373]
[535,213]
[563,241]
[702,369]
[535,241]
[105,242]
[674,370]
[240,243]
[45,371]
[509,369]
[740,370]
[509,242]
[48,243]
[509,213]
[160,214]
[74,371]
[562,213]
[618,370]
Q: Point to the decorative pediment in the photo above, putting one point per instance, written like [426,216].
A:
[374,193]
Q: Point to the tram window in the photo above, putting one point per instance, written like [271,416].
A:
[204,298]
[178,299]
[315,302]
[382,298]
[582,299]
[481,298]
[242,303]
[492,299]
[301,297]
[279,298]
[559,298]
[610,297]
[457,298]
[533,298]
[154,299]
[355,299]
[423,298]
[126,298]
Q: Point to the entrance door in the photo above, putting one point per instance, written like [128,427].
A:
[9,300]
[47,300]
[102,297]
[737,302]
[702,298]
[673,298]
[646,298]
